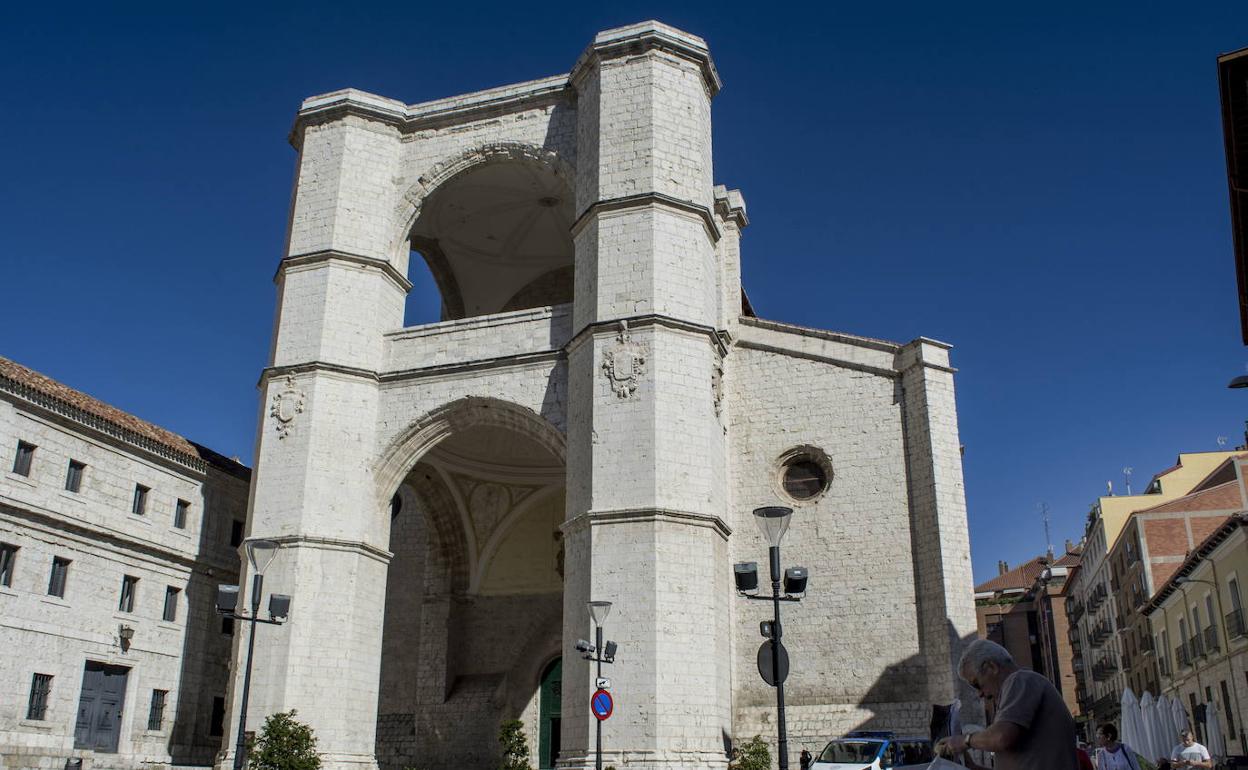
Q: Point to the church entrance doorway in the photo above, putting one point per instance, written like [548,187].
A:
[550,713]
[474,600]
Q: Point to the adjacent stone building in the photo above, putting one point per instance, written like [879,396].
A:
[113,536]
[593,419]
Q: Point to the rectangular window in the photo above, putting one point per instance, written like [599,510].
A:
[179,514]
[40,689]
[140,499]
[171,604]
[129,586]
[8,559]
[56,580]
[156,716]
[25,456]
[1233,589]
[216,726]
[227,628]
[236,533]
[73,477]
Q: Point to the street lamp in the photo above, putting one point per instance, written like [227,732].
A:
[260,553]
[773,659]
[600,654]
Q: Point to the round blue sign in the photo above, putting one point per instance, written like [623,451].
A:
[601,704]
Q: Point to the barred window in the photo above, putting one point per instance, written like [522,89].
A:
[73,477]
[40,689]
[8,558]
[171,604]
[139,506]
[25,456]
[129,586]
[156,716]
[56,580]
[179,514]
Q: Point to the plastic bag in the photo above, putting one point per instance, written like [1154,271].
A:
[940,763]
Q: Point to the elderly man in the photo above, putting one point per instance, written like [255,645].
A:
[1032,729]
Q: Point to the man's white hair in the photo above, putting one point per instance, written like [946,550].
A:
[982,651]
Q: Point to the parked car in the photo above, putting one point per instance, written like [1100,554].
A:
[875,750]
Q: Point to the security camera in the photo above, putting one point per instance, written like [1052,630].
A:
[584,646]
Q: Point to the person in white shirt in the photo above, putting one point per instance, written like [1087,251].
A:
[1113,755]
[1189,753]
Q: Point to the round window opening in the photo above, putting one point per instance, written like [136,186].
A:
[805,473]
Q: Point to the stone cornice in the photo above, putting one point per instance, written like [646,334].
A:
[842,363]
[333,544]
[720,339]
[648,36]
[730,206]
[647,200]
[334,255]
[92,534]
[66,411]
[408,118]
[459,367]
[823,334]
[630,515]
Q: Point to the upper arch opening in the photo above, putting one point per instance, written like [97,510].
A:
[496,238]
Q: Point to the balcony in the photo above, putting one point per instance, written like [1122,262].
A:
[1235,624]
[1211,640]
[1181,656]
[1196,647]
[1163,665]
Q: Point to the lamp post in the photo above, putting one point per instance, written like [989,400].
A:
[599,654]
[773,659]
[260,554]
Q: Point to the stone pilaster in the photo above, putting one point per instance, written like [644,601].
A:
[942,548]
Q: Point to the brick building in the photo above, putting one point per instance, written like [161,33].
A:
[593,419]
[113,536]
[1024,610]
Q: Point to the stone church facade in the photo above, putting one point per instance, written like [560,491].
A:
[593,418]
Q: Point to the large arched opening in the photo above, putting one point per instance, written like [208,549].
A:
[474,593]
[492,235]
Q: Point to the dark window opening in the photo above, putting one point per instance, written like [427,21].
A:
[236,532]
[171,604]
[73,477]
[156,716]
[139,506]
[25,456]
[60,573]
[216,727]
[8,559]
[129,586]
[179,514]
[40,689]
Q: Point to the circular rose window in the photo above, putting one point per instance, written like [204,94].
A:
[805,473]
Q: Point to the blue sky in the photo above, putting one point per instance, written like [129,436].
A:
[1043,187]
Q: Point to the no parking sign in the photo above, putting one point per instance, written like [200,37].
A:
[601,704]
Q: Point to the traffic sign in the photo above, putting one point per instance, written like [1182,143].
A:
[601,704]
[766,666]
[602,683]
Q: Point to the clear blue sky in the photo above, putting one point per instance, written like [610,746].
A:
[1043,187]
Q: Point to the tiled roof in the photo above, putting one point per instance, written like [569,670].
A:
[1024,576]
[50,394]
[1223,497]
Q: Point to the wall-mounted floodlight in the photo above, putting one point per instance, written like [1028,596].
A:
[584,646]
[227,598]
[746,575]
[795,580]
[279,606]
[608,652]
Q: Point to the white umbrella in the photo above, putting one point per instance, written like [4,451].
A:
[1163,728]
[1129,729]
[1213,731]
[1179,716]
[1148,738]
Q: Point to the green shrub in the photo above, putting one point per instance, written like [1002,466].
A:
[283,744]
[753,755]
[515,746]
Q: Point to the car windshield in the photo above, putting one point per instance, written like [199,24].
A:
[851,751]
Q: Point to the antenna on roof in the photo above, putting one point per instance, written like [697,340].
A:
[1048,541]
[1110,486]
[1222,442]
[1126,475]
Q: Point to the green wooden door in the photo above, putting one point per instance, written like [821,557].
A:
[549,712]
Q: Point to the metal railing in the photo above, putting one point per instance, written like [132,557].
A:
[1195,647]
[1235,624]
[1211,639]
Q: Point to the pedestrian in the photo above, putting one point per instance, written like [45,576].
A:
[1081,753]
[1032,729]
[804,760]
[1189,753]
[1112,755]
